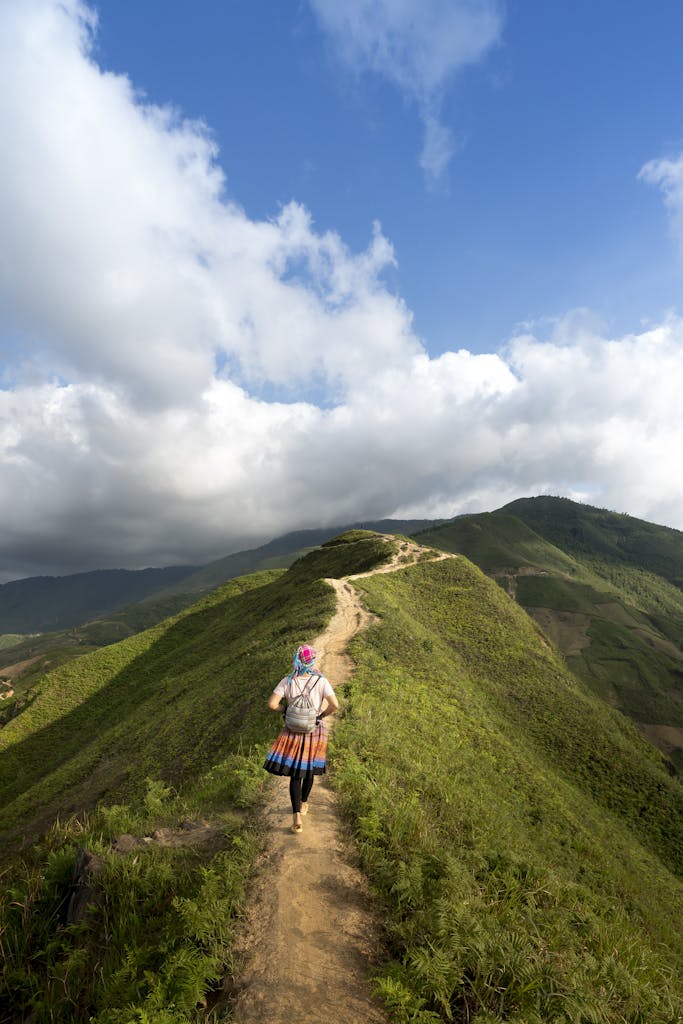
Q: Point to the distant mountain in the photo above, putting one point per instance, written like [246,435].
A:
[282,551]
[605,588]
[45,603]
[597,533]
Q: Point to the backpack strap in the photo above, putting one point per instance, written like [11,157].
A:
[308,687]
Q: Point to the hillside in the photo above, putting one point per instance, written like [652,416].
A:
[95,726]
[618,623]
[282,551]
[525,844]
[26,658]
[601,534]
[46,603]
[43,604]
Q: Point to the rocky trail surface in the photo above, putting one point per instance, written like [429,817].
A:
[311,938]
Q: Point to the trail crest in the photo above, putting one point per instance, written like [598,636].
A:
[311,937]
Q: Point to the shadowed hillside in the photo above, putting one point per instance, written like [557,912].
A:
[44,603]
[601,534]
[98,616]
[52,603]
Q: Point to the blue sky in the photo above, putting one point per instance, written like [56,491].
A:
[539,211]
[267,266]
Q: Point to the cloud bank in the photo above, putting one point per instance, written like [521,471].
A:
[418,46]
[181,380]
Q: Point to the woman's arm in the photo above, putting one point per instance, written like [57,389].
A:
[274,701]
[330,705]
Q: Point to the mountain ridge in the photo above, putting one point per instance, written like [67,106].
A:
[618,623]
[36,604]
[525,842]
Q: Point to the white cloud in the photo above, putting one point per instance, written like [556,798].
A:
[121,252]
[129,276]
[668,174]
[418,45]
[92,476]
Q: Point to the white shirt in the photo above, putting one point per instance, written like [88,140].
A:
[317,692]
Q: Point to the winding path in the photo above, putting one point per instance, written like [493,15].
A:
[311,937]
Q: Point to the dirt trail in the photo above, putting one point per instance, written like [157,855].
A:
[311,938]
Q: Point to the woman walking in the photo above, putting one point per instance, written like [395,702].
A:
[298,754]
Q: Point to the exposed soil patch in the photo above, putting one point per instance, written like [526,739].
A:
[189,833]
[668,738]
[567,630]
[12,671]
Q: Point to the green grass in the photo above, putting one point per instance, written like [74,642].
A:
[523,841]
[56,648]
[659,599]
[184,705]
[557,593]
[598,533]
[499,542]
[628,662]
[602,565]
[8,640]
[169,701]
[500,812]
[365,549]
[156,938]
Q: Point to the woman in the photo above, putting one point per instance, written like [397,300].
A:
[301,756]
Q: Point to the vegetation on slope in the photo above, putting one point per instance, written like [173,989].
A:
[620,626]
[58,602]
[522,837]
[281,552]
[91,629]
[599,533]
[184,704]
[8,640]
[164,701]
[499,542]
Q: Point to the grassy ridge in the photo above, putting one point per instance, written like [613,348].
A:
[598,533]
[626,640]
[522,838]
[493,540]
[168,701]
[184,703]
[515,829]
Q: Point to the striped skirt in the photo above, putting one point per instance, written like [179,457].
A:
[296,755]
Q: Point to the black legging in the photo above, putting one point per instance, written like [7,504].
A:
[299,790]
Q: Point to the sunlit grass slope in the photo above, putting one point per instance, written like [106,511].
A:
[526,843]
[501,542]
[620,625]
[523,840]
[168,701]
[182,704]
[597,532]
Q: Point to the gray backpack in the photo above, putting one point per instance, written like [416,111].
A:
[301,714]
